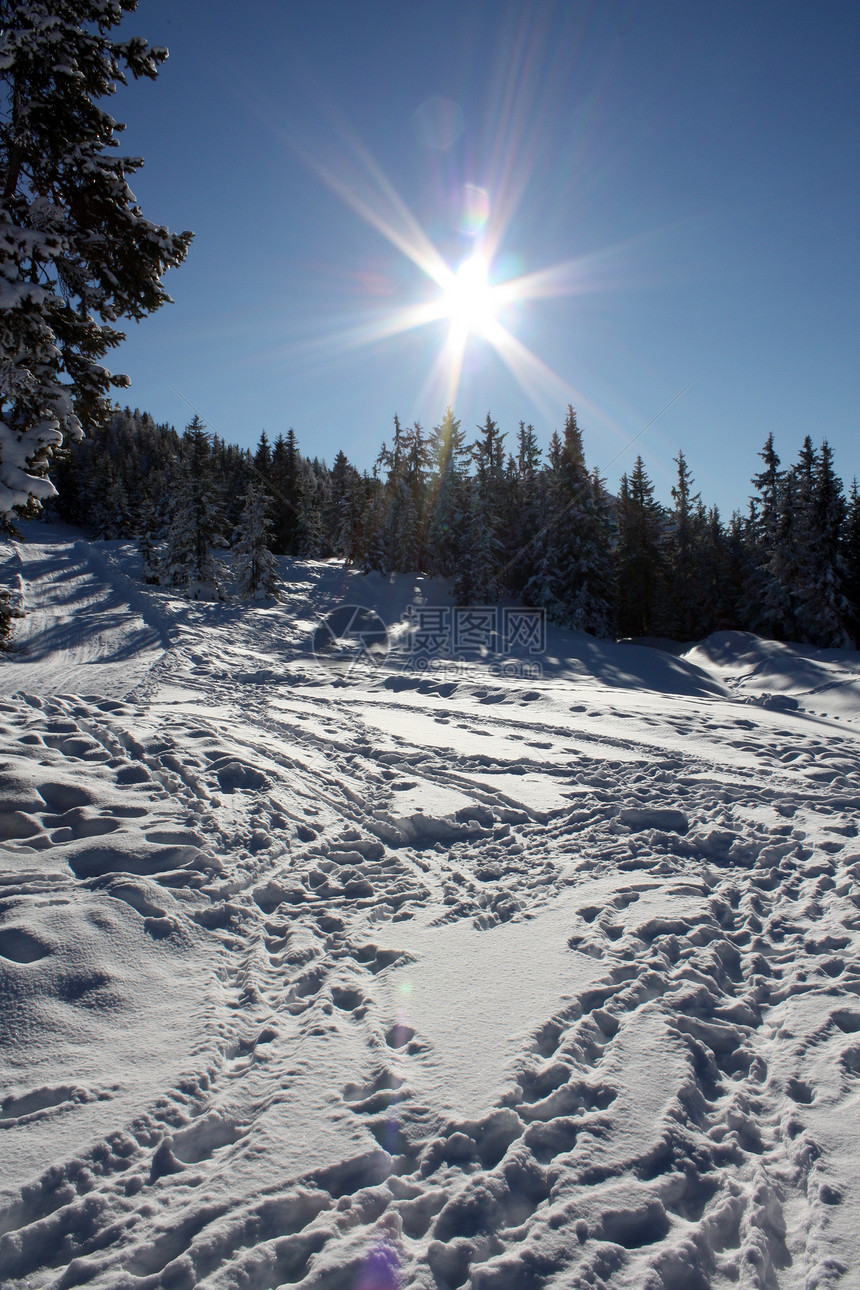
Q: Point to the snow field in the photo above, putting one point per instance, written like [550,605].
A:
[393,981]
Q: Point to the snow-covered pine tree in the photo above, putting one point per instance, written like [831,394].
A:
[416,478]
[254,567]
[640,541]
[851,558]
[720,564]
[527,509]
[768,483]
[344,516]
[287,532]
[195,521]
[681,609]
[76,253]
[766,602]
[112,516]
[823,611]
[349,531]
[447,502]
[574,575]
[396,539]
[373,526]
[479,577]
[263,458]
[314,491]
[147,539]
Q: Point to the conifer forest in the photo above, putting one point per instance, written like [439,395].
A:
[493,513]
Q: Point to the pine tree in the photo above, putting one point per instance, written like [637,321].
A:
[851,559]
[587,575]
[288,536]
[479,577]
[720,562]
[147,529]
[195,522]
[416,477]
[112,515]
[768,483]
[254,566]
[641,530]
[823,611]
[263,458]
[766,605]
[681,613]
[574,576]
[76,253]
[343,518]
[397,522]
[525,512]
[349,521]
[447,504]
[313,491]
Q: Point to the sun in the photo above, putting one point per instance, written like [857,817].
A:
[469,300]
[473,306]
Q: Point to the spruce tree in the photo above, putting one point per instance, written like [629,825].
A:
[147,540]
[447,505]
[720,562]
[195,522]
[288,536]
[770,534]
[343,517]
[573,578]
[851,559]
[480,575]
[263,458]
[641,530]
[313,490]
[254,567]
[76,253]
[681,612]
[526,511]
[823,611]
[397,519]
[768,483]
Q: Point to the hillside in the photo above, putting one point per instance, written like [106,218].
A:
[324,973]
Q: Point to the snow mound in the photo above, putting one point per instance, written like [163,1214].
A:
[774,674]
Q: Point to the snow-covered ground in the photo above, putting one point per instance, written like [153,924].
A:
[368,980]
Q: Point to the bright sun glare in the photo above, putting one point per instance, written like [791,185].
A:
[469,300]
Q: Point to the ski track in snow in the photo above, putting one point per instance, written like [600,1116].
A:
[393,981]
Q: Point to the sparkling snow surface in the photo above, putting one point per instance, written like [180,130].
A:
[355,983]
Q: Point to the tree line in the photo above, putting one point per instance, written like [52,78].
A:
[498,520]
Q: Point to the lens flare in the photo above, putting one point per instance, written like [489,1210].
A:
[476,209]
[469,300]
[381,1270]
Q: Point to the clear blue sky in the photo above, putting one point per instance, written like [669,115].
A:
[693,167]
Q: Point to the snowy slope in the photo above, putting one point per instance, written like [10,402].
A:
[374,980]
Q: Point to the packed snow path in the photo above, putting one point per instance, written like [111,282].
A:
[352,984]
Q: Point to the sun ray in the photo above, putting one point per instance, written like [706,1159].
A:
[468,299]
[526,86]
[392,217]
[442,383]
[371,331]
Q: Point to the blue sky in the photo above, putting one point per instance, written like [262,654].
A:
[682,178]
